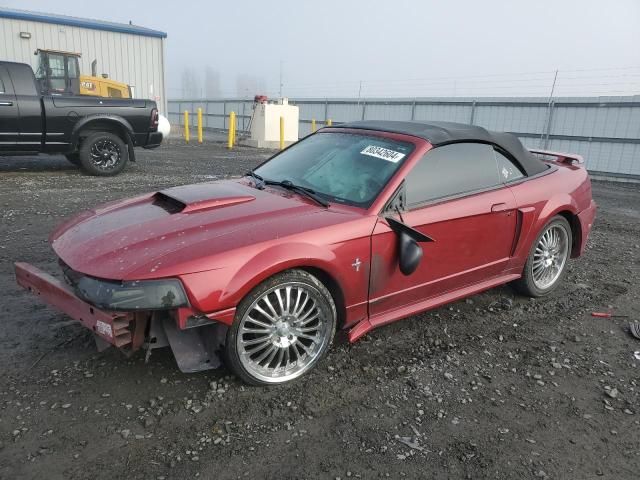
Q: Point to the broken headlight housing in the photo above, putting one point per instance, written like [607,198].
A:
[162,294]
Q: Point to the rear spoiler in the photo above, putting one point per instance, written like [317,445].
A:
[568,158]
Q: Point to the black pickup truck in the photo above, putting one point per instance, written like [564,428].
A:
[97,134]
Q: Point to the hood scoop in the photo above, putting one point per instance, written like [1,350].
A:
[196,198]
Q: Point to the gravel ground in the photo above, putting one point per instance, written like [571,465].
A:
[495,386]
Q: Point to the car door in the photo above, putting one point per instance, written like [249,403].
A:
[30,119]
[455,196]
[8,113]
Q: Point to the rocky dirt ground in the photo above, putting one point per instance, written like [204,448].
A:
[497,386]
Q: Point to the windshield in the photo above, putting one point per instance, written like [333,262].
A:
[344,167]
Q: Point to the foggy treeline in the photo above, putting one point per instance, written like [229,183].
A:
[205,83]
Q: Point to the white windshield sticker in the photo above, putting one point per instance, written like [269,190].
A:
[383,153]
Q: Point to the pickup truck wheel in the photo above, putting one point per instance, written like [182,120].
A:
[282,329]
[73,158]
[103,154]
[547,262]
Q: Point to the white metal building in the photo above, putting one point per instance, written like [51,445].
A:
[127,53]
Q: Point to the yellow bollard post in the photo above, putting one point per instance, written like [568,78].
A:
[199,125]
[235,129]
[186,126]
[232,122]
[329,122]
[281,133]
[313,125]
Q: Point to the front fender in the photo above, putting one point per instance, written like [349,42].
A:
[224,288]
[274,260]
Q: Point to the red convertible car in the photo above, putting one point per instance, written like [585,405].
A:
[354,227]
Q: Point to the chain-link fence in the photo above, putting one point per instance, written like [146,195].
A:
[605,130]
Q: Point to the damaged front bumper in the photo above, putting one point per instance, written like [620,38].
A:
[194,339]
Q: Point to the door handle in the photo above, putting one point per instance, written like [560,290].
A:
[6,104]
[498,207]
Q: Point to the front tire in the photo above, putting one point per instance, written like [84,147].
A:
[547,262]
[103,154]
[282,329]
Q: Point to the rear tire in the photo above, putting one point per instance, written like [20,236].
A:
[546,265]
[282,329]
[103,154]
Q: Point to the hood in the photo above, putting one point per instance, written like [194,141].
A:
[165,233]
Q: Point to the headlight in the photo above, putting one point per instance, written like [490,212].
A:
[137,295]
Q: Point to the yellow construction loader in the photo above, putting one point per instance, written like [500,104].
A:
[59,73]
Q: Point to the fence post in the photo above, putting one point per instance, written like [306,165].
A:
[473,112]
[549,120]
[281,133]
[244,127]
[224,113]
[186,126]
[326,110]
[413,111]
[364,108]
[199,125]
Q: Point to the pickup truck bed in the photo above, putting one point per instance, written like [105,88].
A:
[98,134]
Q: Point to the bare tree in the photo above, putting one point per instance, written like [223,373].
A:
[249,85]
[211,83]
[190,84]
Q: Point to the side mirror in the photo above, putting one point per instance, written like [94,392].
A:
[409,252]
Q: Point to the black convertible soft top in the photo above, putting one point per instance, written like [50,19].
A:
[442,133]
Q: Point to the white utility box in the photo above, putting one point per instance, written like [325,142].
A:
[265,125]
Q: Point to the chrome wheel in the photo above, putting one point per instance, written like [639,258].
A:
[105,154]
[283,333]
[550,256]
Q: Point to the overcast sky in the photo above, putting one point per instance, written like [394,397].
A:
[395,48]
